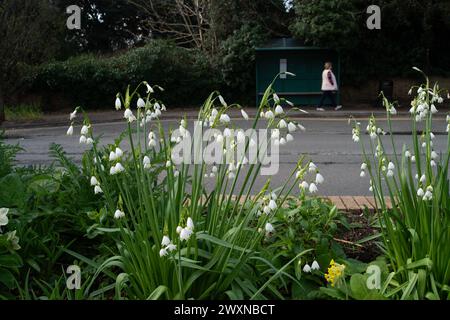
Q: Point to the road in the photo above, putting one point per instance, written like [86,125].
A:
[326,141]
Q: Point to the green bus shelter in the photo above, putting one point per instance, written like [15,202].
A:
[287,54]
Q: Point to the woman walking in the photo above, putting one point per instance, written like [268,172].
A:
[329,87]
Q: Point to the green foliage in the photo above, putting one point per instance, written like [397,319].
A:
[23,112]
[183,73]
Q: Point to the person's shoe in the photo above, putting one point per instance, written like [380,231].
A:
[338,107]
[320,109]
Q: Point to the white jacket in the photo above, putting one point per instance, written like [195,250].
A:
[329,82]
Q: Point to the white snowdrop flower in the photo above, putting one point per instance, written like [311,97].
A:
[430,188]
[292,127]
[163,252]
[313,188]
[362,174]
[128,114]
[319,178]
[190,224]
[163,107]
[261,114]
[304,185]
[427,196]
[149,88]
[433,163]
[98,189]
[212,175]
[119,168]
[140,103]
[416,176]
[118,152]
[185,234]
[434,155]
[282,141]
[391,166]
[390,173]
[178,230]
[289,137]
[302,128]
[214,169]
[222,101]
[205,175]
[118,104]
[290,103]
[240,137]
[269,115]
[424,144]
[73,115]
[298,175]
[4,216]
[269,228]
[410,92]
[363,166]
[433,109]
[275,134]
[224,118]
[266,210]
[273,195]
[355,138]
[70,131]
[152,143]
[146,162]
[282,124]
[171,247]
[312,167]
[373,135]
[244,114]
[315,265]
[227,132]
[84,130]
[112,170]
[393,111]
[231,175]
[371,189]
[432,136]
[231,167]
[306,268]
[420,192]
[423,179]
[279,110]
[82,139]
[413,158]
[276,98]
[112,156]
[407,154]
[94,181]
[272,204]
[168,164]
[119,214]
[165,241]
[89,140]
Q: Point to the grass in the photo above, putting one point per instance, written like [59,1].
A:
[23,112]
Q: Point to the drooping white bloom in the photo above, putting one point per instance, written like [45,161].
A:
[423,179]
[390,173]
[118,152]
[269,115]
[171,247]
[433,109]
[146,162]
[165,241]
[224,118]
[275,134]
[269,228]
[306,268]
[118,104]
[119,214]
[178,230]
[222,101]
[140,103]
[149,88]
[94,181]
[433,163]
[84,130]
[315,265]
[282,141]
[362,174]
[282,124]
[313,188]
[276,98]
[128,114]
[302,128]
[82,139]
[244,114]
[98,189]
[434,155]
[428,195]
[272,205]
[266,210]
[292,127]
[112,170]
[312,167]
[363,166]
[393,111]
[163,252]
[319,178]
[420,192]
[304,185]
[289,137]
[119,168]
[279,110]
[152,143]
[413,158]
[112,156]
[70,131]
[89,140]
[4,216]
[185,234]
[190,224]
[407,154]
[391,166]
[73,115]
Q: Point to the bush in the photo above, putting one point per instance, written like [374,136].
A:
[87,79]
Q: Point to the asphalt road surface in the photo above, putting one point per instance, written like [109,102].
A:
[327,142]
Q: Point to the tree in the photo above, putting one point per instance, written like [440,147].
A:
[29,34]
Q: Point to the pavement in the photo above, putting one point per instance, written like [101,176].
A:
[326,141]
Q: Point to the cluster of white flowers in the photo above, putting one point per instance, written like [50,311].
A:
[363,170]
[167,246]
[84,138]
[96,185]
[268,204]
[128,114]
[372,129]
[356,131]
[114,156]
[11,237]
[119,214]
[425,195]
[213,172]
[314,266]
[152,112]
[311,187]
[390,169]
[425,103]
[151,140]
[4,216]
[186,232]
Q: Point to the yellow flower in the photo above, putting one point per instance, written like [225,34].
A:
[335,272]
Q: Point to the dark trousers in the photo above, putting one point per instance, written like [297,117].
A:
[327,94]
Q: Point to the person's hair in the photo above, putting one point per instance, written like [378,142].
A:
[328,65]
